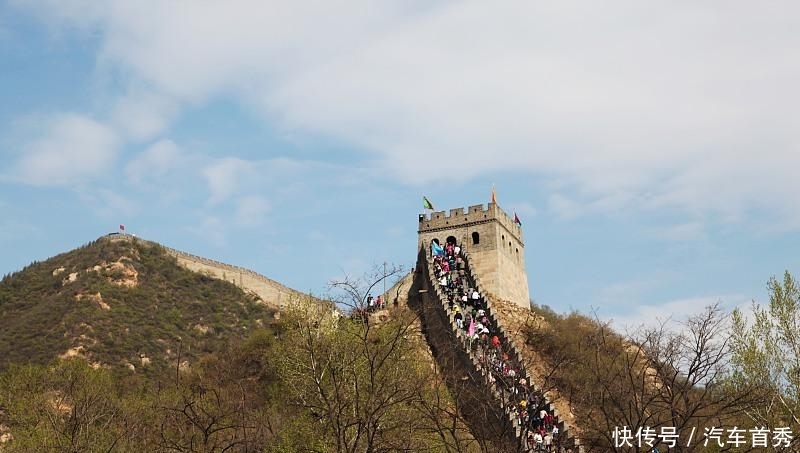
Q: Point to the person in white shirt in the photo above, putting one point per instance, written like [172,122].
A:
[537,439]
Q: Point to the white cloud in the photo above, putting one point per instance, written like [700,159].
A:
[251,210]
[79,14]
[673,312]
[154,163]
[680,232]
[224,177]
[74,149]
[142,114]
[109,204]
[316,235]
[564,207]
[679,105]
[211,230]
[525,210]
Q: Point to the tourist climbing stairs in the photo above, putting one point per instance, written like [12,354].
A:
[499,366]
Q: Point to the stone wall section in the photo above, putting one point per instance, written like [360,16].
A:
[512,277]
[506,339]
[493,240]
[269,291]
[477,402]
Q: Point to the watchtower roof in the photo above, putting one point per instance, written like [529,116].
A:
[473,215]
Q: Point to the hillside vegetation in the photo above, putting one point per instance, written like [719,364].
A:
[120,304]
[113,347]
[302,384]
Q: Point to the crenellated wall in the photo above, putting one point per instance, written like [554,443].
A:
[493,240]
[477,405]
[460,342]
[443,220]
[268,290]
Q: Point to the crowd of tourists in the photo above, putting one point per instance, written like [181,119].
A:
[362,313]
[484,341]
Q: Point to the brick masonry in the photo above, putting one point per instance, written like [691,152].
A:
[493,241]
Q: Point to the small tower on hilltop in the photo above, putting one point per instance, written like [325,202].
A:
[494,244]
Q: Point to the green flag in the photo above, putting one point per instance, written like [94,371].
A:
[427,203]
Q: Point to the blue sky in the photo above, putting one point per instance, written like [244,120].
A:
[650,149]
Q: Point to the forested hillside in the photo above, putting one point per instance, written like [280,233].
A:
[113,347]
[120,304]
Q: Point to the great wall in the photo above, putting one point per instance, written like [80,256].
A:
[444,337]
[268,290]
[483,406]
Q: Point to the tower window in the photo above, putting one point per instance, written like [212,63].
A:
[476,238]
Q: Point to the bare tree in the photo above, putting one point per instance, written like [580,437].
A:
[362,382]
[634,392]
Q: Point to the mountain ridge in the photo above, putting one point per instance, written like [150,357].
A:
[270,291]
[120,301]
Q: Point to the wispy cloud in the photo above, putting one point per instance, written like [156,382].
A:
[224,176]
[525,210]
[251,211]
[141,114]
[73,149]
[109,203]
[678,105]
[564,207]
[680,232]
[674,312]
[153,163]
[211,229]
[630,292]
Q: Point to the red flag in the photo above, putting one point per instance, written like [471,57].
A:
[516,220]
[122,227]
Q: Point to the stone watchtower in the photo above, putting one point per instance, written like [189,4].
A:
[494,244]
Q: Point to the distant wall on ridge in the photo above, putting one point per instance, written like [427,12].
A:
[268,290]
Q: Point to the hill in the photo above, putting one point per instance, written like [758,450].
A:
[173,348]
[116,346]
[121,303]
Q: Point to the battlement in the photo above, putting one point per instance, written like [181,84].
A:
[493,240]
[476,214]
[268,290]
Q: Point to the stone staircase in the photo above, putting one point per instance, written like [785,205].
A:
[439,301]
